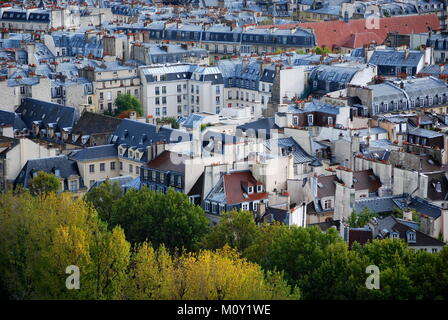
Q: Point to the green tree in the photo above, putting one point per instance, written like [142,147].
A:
[169,218]
[125,102]
[170,120]
[319,50]
[44,183]
[104,197]
[360,220]
[235,228]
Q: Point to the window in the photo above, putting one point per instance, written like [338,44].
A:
[250,190]
[296,121]
[102,167]
[214,207]
[162,177]
[73,185]
[163,100]
[153,175]
[259,188]
[157,111]
[164,90]
[131,168]
[330,121]
[112,165]
[91,168]
[434,250]
[245,206]
[327,204]
[179,88]
[157,100]
[157,90]
[255,206]
[310,119]
[207,206]
[121,165]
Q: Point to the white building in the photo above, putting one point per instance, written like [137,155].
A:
[181,89]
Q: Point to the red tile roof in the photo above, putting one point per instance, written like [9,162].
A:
[234,191]
[338,33]
[358,40]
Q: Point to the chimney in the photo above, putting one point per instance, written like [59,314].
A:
[406,54]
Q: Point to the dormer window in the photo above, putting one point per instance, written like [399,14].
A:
[250,190]
[411,236]
[259,188]
[394,235]
[131,154]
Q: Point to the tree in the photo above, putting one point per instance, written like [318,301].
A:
[169,218]
[41,236]
[235,228]
[170,120]
[126,102]
[360,220]
[44,183]
[104,197]
[319,50]
[207,275]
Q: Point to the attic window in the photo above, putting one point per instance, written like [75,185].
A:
[250,190]
[438,186]
[259,188]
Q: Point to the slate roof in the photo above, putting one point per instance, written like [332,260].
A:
[94,153]
[326,186]
[12,119]
[266,124]
[334,73]
[46,113]
[424,133]
[136,133]
[66,167]
[396,58]
[390,224]
[289,145]
[94,123]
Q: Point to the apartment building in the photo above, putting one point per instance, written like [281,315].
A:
[181,89]
[110,79]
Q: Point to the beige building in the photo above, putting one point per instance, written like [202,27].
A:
[111,79]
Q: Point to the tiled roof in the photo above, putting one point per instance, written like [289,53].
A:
[337,33]
[235,193]
[169,161]
[357,40]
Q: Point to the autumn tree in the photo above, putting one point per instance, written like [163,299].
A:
[44,183]
[206,275]
[41,236]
